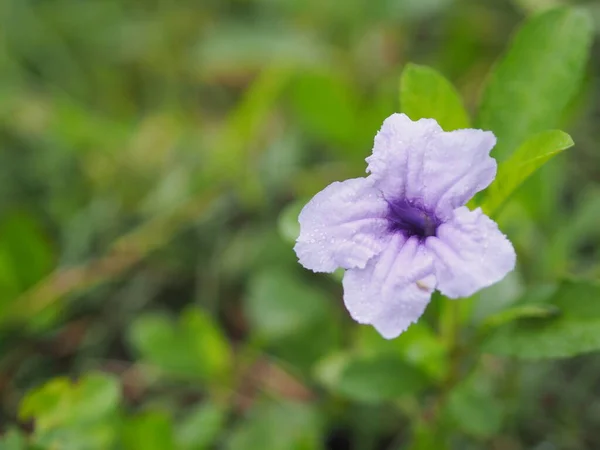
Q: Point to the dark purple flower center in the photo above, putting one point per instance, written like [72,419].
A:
[410,219]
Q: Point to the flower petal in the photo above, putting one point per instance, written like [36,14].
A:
[392,291]
[398,151]
[438,170]
[457,166]
[397,317]
[470,253]
[344,225]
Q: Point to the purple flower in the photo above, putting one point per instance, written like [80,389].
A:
[404,231]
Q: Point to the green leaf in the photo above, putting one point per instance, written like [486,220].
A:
[279,305]
[157,340]
[575,330]
[428,436]
[233,48]
[74,415]
[13,439]
[288,225]
[61,402]
[192,348]
[208,343]
[537,77]
[520,312]
[419,346]
[151,430]
[277,425]
[543,339]
[424,93]
[25,255]
[579,227]
[200,427]
[326,104]
[529,157]
[474,409]
[295,319]
[370,379]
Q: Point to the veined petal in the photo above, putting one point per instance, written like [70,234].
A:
[470,253]
[397,317]
[344,226]
[398,151]
[392,291]
[457,166]
[437,170]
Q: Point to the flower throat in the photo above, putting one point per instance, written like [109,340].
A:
[411,220]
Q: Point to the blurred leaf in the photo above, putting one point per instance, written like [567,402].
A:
[496,298]
[428,436]
[578,299]
[262,246]
[419,346]
[520,312]
[305,347]
[411,10]
[67,415]
[13,439]
[379,379]
[295,318]
[474,409]
[25,255]
[575,330]
[329,370]
[232,48]
[529,157]
[370,379]
[581,226]
[200,427]
[281,161]
[533,82]
[195,347]
[150,430]
[59,401]
[288,225]
[233,157]
[280,305]
[208,343]
[277,425]
[424,93]
[546,339]
[156,338]
[326,104]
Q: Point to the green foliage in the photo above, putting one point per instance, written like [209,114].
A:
[279,305]
[194,347]
[154,158]
[420,346]
[293,318]
[380,370]
[13,440]
[288,225]
[277,426]
[424,93]
[530,156]
[474,409]
[74,415]
[572,327]
[538,76]
[88,414]
[376,379]
[151,430]
[25,256]
[327,106]
[200,427]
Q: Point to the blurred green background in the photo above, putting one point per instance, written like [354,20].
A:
[154,155]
